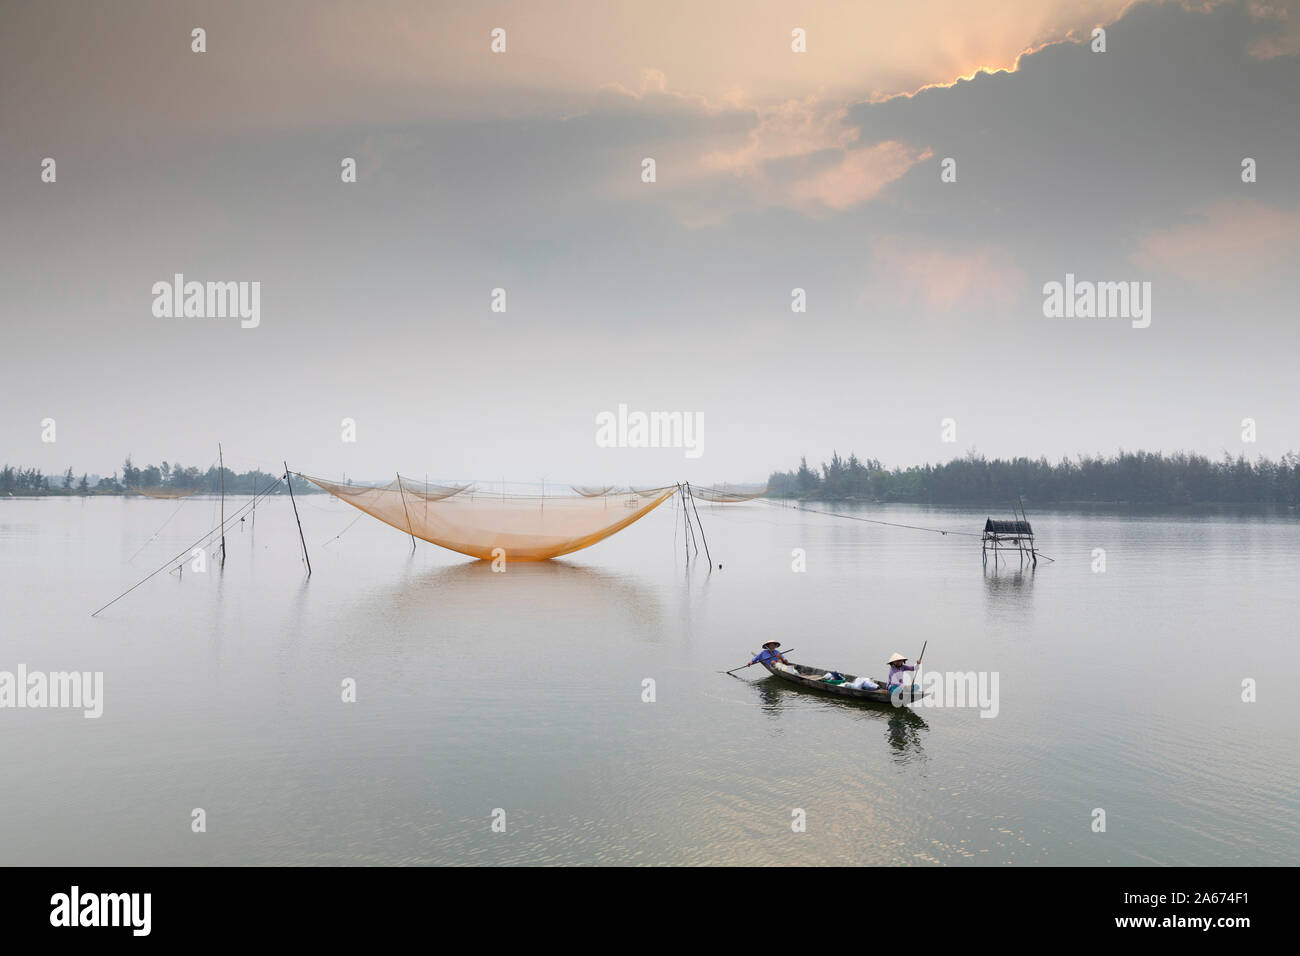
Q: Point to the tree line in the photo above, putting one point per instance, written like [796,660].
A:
[1139,478]
[164,479]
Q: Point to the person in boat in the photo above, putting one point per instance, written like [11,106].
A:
[769,654]
[898,667]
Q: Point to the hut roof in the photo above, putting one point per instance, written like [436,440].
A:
[1007,527]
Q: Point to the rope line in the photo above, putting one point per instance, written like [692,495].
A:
[890,524]
[894,524]
[344,531]
[185,553]
[157,532]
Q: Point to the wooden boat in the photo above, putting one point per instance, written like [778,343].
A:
[810,678]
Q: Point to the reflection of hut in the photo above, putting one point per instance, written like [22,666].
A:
[1015,535]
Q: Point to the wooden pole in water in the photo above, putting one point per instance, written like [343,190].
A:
[685,498]
[221,473]
[1032,550]
[408,513]
[686,524]
[703,536]
[288,480]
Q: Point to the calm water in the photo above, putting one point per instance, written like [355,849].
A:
[523,691]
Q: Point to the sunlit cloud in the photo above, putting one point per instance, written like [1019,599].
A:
[918,274]
[1227,244]
[1283,39]
[801,154]
[860,175]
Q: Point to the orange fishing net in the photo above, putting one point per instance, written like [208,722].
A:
[166,492]
[724,493]
[592,491]
[477,523]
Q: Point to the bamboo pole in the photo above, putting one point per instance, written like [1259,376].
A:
[703,536]
[690,527]
[221,474]
[1033,551]
[401,492]
[686,522]
[288,480]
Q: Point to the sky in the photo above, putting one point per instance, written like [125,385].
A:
[924,335]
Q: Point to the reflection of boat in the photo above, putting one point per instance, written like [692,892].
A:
[811,678]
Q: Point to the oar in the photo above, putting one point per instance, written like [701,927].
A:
[917,673]
[751,663]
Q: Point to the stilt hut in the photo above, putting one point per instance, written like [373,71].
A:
[1015,535]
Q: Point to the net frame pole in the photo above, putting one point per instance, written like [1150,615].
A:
[401,491]
[221,475]
[288,480]
[691,491]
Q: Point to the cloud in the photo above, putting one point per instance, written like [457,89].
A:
[800,154]
[942,280]
[1285,38]
[1228,243]
[860,175]
[794,128]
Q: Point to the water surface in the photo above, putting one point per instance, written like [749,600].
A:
[523,691]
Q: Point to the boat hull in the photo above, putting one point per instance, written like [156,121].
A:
[810,678]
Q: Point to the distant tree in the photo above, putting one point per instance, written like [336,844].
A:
[805,478]
[67,479]
[83,486]
[1144,478]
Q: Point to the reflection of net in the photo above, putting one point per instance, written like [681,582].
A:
[729,492]
[591,492]
[524,527]
[166,492]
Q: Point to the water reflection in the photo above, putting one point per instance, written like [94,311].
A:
[903,726]
[1007,588]
[1007,579]
[294,627]
[528,598]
